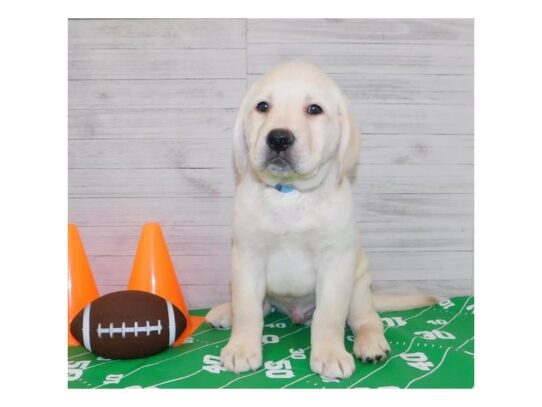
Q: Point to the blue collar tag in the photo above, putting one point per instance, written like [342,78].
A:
[285,188]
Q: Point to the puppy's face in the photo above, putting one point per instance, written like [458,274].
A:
[291,123]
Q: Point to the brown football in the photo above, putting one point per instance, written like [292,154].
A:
[128,324]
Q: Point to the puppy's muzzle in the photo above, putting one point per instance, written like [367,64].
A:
[280,140]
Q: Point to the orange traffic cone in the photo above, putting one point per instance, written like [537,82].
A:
[81,285]
[153,271]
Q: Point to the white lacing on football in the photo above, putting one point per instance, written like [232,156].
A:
[135,329]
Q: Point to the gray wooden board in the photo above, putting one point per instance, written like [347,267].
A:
[206,122]
[227,93]
[156,63]
[356,59]
[150,123]
[415,118]
[207,295]
[216,152]
[151,108]
[424,209]
[202,225]
[345,31]
[156,33]
[158,182]
[152,94]
[215,240]
[202,270]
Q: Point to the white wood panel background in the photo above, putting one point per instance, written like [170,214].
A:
[151,107]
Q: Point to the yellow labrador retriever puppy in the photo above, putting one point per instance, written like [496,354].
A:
[295,241]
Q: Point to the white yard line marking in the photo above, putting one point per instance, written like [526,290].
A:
[202,332]
[384,365]
[447,350]
[280,337]
[430,372]
[165,360]
[413,316]
[227,329]
[419,313]
[101,364]
[291,333]
[314,374]
[178,378]
[457,314]
[304,377]
[468,353]
[79,354]
[409,346]
[174,357]
[464,343]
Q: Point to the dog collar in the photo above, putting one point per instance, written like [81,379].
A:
[285,188]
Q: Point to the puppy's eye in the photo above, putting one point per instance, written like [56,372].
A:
[314,109]
[262,107]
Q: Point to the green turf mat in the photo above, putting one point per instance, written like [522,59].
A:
[431,348]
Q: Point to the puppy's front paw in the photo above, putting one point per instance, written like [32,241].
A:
[332,363]
[239,356]
[220,316]
[371,347]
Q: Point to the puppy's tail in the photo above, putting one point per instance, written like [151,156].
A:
[384,302]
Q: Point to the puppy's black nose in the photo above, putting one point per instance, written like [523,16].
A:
[280,139]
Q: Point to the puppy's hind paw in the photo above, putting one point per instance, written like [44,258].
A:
[220,316]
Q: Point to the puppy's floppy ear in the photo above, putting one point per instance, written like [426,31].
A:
[349,142]
[240,142]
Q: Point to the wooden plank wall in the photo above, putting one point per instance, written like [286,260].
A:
[151,106]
